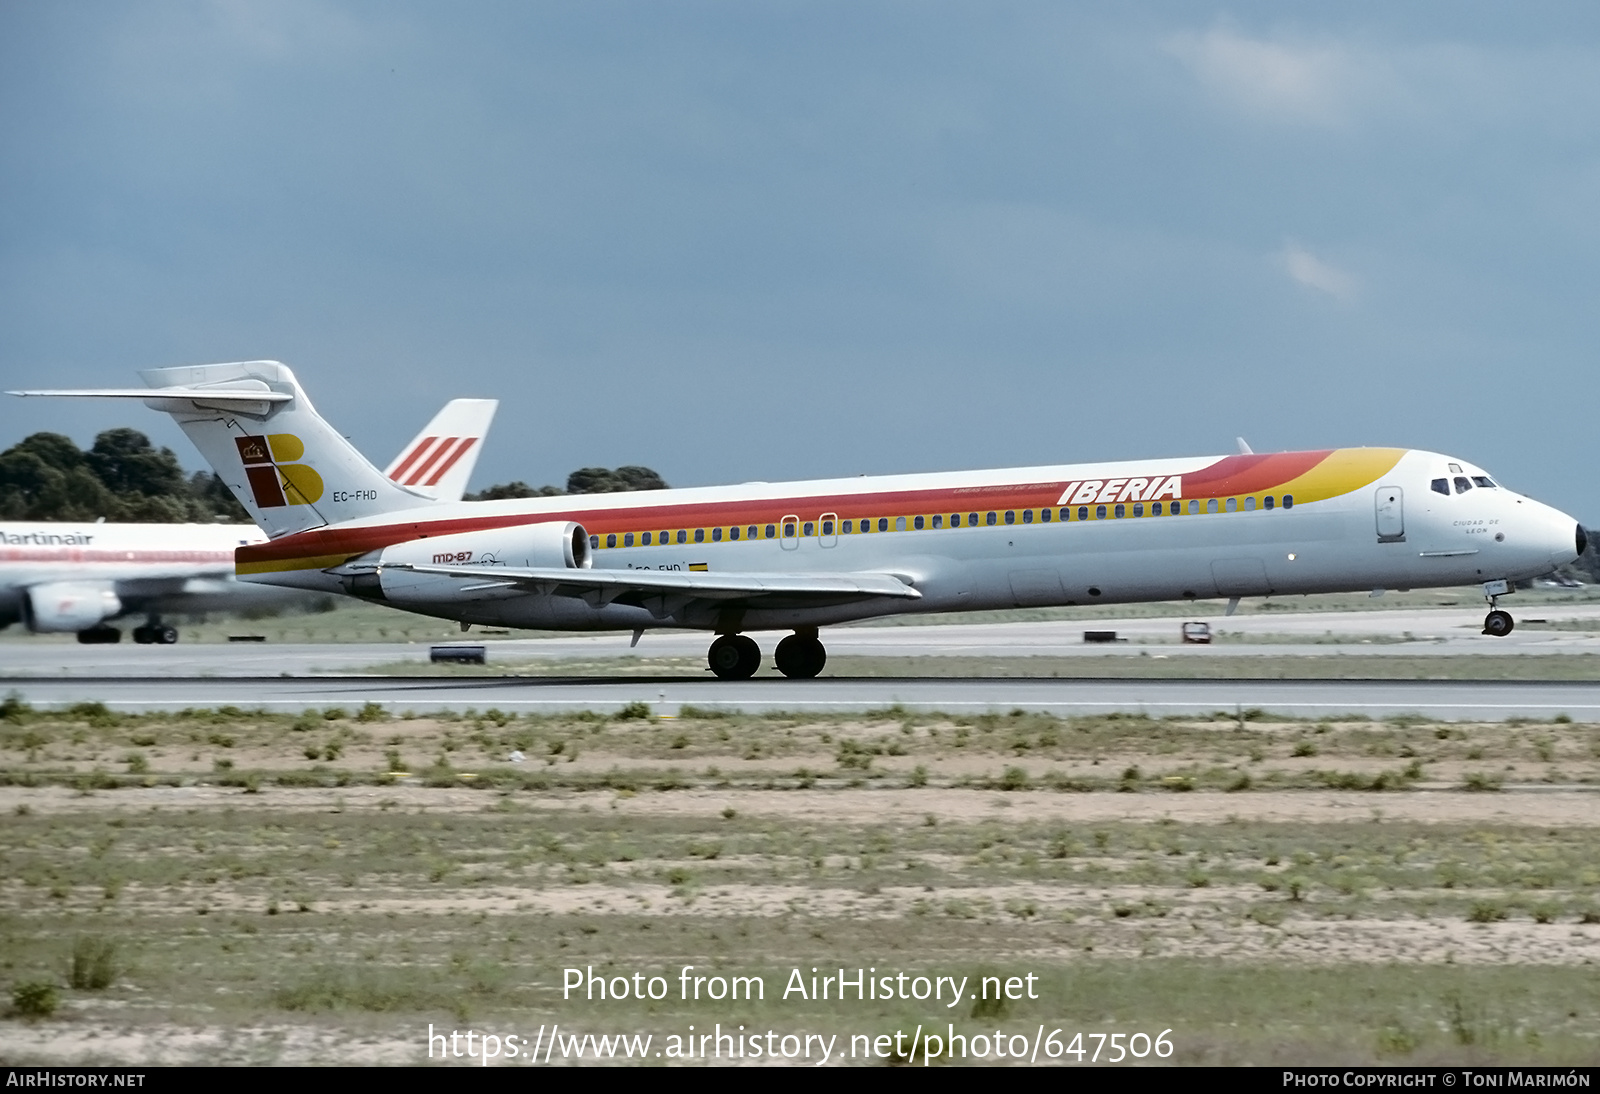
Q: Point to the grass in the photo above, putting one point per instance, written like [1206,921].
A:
[337,904]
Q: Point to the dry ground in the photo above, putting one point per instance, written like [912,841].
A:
[258,888]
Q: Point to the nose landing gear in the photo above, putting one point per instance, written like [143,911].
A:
[1498,623]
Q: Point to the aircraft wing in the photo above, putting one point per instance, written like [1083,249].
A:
[438,461]
[664,592]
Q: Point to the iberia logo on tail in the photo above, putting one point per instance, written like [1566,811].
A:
[275,479]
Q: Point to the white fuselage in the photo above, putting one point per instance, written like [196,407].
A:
[71,576]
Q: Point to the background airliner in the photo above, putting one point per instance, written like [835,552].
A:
[799,556]
[57,576]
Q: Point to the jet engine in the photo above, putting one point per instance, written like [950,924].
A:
[70,605]
[387,574]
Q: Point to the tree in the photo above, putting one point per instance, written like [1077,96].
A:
[585,480]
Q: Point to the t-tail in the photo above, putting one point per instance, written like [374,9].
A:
[253,423]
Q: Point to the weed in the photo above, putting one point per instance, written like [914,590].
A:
[93,965]
[35,999]
[635,710]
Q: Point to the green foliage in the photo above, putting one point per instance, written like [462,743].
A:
[121,478]
[635,710]
[585,480]
[35,999]
[93,966]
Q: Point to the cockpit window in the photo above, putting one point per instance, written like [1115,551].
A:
[1441,486]
[1483,480]
[1462,485]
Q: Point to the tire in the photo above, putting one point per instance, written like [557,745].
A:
[734,657]
[1498,623]
[100,636]
[800,658]
[144,635]
[167,636]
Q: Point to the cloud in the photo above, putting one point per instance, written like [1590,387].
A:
[1310,271]
[1297,83]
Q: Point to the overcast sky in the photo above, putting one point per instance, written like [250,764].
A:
[741,240]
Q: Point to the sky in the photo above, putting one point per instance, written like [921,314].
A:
[745,240]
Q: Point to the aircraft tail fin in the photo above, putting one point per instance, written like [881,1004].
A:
[438,461]
[255,426]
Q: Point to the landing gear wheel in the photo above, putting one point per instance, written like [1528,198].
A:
[1498,623]
[734,657]
[144,635]
[799,657]
[98,636]
[166,636]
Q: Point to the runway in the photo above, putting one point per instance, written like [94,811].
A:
[1448,700]
[1418,633]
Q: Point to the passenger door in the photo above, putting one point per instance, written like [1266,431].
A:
[1391,515]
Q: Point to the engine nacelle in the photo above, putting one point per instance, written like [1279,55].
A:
[549,545]
[71,606]
[383,575]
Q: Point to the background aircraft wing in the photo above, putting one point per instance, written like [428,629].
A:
[438,461]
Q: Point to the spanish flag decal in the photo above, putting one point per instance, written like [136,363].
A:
[275,479]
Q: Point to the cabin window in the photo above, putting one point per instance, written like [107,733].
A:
[1099,512]
[1011,516]
[1122,511]
[644,539]
[1027,516]
[1211,505]
[699,535]
[938,520]
[1249,505]
[752,532]
[788,529]
[772,530]
[1155,509]
[1441,486]
[594,541]
[827,527]
[733,533]
[1233,504]
[716,535]
[848,527]
[1462,484]
[806,528]
[683,536]
[990,519]
[1083,512]
[916,522]
[899,524]
[1484,480]
[1266,502]
[1194,506]
[1044,516]
[611,540]
[627,540]
[883,524]
[1288,501]
[955,520]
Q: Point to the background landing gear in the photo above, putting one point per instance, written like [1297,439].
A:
[99,636]
[734,657]
[155,634]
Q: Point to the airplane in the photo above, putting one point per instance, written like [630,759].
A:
[800,556]
[59,576]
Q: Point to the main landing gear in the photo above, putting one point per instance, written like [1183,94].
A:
[155,633]
[800,656]
[99,635]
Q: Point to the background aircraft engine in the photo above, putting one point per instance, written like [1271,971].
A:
[550,545]
[70,606]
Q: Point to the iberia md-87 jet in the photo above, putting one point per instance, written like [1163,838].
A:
[803,555]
